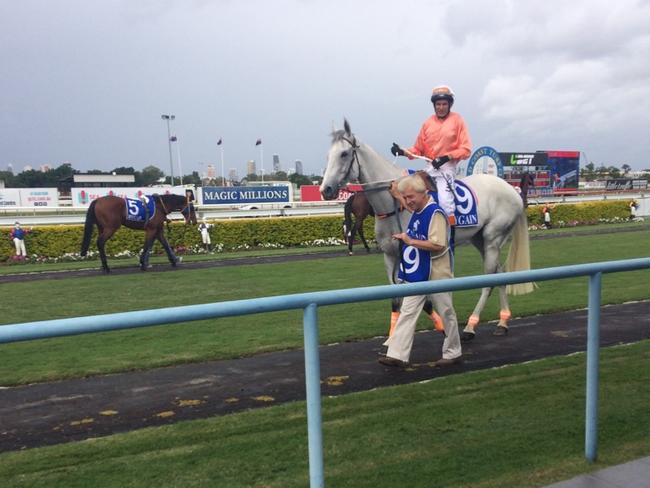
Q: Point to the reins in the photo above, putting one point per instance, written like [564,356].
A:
[396,206]
[162,204]
[355,157]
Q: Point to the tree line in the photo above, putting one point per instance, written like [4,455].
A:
[148,176]
[591,172]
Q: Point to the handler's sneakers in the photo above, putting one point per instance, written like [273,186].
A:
[396,363]
[441,363]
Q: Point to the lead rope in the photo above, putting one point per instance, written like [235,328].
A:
[166,212]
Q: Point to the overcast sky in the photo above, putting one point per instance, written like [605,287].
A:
[86,82]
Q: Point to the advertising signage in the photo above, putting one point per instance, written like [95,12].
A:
[82,196]
[236,195]
[29,197]
[554,172]
[524,159]
[619,184]
[311,193]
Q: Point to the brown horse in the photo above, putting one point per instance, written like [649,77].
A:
[358,206]
[525,184]
[109,213]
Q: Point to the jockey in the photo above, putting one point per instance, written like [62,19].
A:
[444,139]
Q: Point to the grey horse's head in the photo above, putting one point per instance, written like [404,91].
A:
[340,162]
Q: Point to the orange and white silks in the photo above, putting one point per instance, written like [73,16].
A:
[442,137]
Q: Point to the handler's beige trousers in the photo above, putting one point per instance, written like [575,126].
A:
[401,342]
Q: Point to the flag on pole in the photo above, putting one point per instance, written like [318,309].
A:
[219,142]
[173,138]
[258,142]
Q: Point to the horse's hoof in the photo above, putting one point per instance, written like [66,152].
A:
[500,331]
[467,336]
[350,253]
[106,271]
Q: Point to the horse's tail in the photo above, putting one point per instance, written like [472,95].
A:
[88,228]
[519,255]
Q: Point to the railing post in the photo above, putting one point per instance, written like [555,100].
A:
[593,345]
[312,383]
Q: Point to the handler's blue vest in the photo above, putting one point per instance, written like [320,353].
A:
[415,264]
[19,234]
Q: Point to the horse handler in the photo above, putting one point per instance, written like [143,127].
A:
[425,255]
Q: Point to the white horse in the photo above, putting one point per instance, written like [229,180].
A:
[500,214]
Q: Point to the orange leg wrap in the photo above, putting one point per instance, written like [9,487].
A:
[473,321]
[437,321]
[504,316]
[393,322]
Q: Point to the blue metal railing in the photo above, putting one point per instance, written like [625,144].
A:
[310,302]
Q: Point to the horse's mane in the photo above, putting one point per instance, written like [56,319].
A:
[173,200]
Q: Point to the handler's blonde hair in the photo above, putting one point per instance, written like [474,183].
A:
[413,182]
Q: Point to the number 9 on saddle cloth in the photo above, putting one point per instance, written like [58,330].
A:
[466,214]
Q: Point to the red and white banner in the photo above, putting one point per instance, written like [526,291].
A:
[310,193]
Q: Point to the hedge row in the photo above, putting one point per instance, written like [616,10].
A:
[51,241]
[58,241]
[586,213]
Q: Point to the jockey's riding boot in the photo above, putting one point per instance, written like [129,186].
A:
[452,232]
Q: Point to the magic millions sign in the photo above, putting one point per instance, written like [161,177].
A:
[485,159]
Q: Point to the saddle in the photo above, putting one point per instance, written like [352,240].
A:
[466,214]
[136,211]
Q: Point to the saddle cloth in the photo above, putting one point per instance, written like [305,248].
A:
[466,204]
[135,211]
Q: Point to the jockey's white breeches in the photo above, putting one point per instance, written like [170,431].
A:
[444,178]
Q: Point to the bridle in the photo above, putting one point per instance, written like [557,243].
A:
[355,157]
[186,208]
[396,210]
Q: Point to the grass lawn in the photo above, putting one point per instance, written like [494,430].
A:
[234,337]
[518,426]
[114,263]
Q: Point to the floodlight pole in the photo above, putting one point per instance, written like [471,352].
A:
[169,142]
